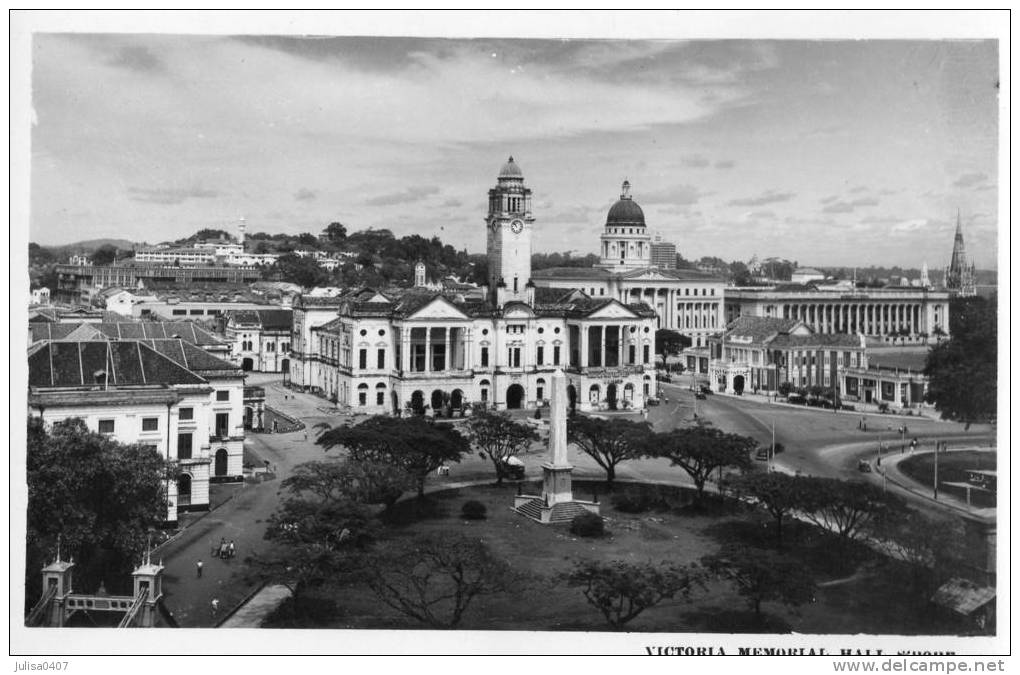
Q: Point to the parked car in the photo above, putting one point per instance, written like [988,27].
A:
[705,389]
[653,401]
[864,466]
[512,468]
[700,396]
[762,455]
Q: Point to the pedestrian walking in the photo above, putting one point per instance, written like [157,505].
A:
[215,606]
[306,436]
[230,548]
[198,569]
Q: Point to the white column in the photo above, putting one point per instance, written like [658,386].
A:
[448,360]
[428,349]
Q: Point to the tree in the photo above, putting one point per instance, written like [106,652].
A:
[785,388]
[761,576]
[700,451]
[623,590]
[412,444]
[303,271]
[433,578]
[317,545]
[336,233]
[104,255]
[963,371]
[932,547]
[848,509]
[335,480]
[101,497]
[498,437]
[670,343]
[778,493]
[608,441]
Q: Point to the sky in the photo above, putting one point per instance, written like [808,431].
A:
[825,152]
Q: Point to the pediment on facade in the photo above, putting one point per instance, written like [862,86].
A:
[517,311]
[800,329]
[613,310]
[648,275]
[440,308]
[378,297]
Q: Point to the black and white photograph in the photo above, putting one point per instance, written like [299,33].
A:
[507,333]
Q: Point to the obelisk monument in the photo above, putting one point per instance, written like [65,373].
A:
[556,471]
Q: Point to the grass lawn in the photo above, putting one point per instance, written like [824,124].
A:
[953,467]
[676,532]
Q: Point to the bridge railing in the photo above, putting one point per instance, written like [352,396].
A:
[129,617]
[36,613]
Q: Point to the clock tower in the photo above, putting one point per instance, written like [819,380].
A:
[508,240]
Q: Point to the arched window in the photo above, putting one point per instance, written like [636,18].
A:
[362,394]
[594,393]
[380,394]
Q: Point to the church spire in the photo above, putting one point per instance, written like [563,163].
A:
[960,274]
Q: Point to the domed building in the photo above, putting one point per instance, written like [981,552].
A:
[626,244]
[422,351]
[688,301]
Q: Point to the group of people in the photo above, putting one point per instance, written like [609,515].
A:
[225,550]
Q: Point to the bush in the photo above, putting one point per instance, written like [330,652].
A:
[473,510]
[588,525]
[636,501]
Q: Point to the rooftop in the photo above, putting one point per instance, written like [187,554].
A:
[103,363]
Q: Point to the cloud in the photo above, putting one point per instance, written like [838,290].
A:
[136,57]
[725,164]
[695,161]
[858,189]
[849,207]
[169,195]
[767,197]
[909,226]
[761,215]
[830,199]
[971,180]
[411,194]
[677,194]
[305,195]
[452,203]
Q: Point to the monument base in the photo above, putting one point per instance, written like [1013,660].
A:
[536,508]
[556,483]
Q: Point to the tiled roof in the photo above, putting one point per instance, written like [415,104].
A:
[268,319]
[817,340]
[316,301]
[131,330]
[572,273]
[759,328]
[191,357]
[126,363]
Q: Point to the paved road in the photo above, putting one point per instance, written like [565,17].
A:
[817,442]
[824,443]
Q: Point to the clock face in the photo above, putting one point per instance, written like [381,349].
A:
[517,226]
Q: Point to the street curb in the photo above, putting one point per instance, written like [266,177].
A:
[905,483]
[197,520]
[245,600]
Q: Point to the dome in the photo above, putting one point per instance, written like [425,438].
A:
[626,211]
[511,170]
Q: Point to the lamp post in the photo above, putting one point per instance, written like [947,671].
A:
[935,494]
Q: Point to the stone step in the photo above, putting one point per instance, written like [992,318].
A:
[532,509]
[565,512]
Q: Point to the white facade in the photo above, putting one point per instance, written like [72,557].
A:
[875,312]
[423,352]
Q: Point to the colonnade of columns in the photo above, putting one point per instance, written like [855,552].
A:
[599,357]
[868,318]
[678,311]
[454,339]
